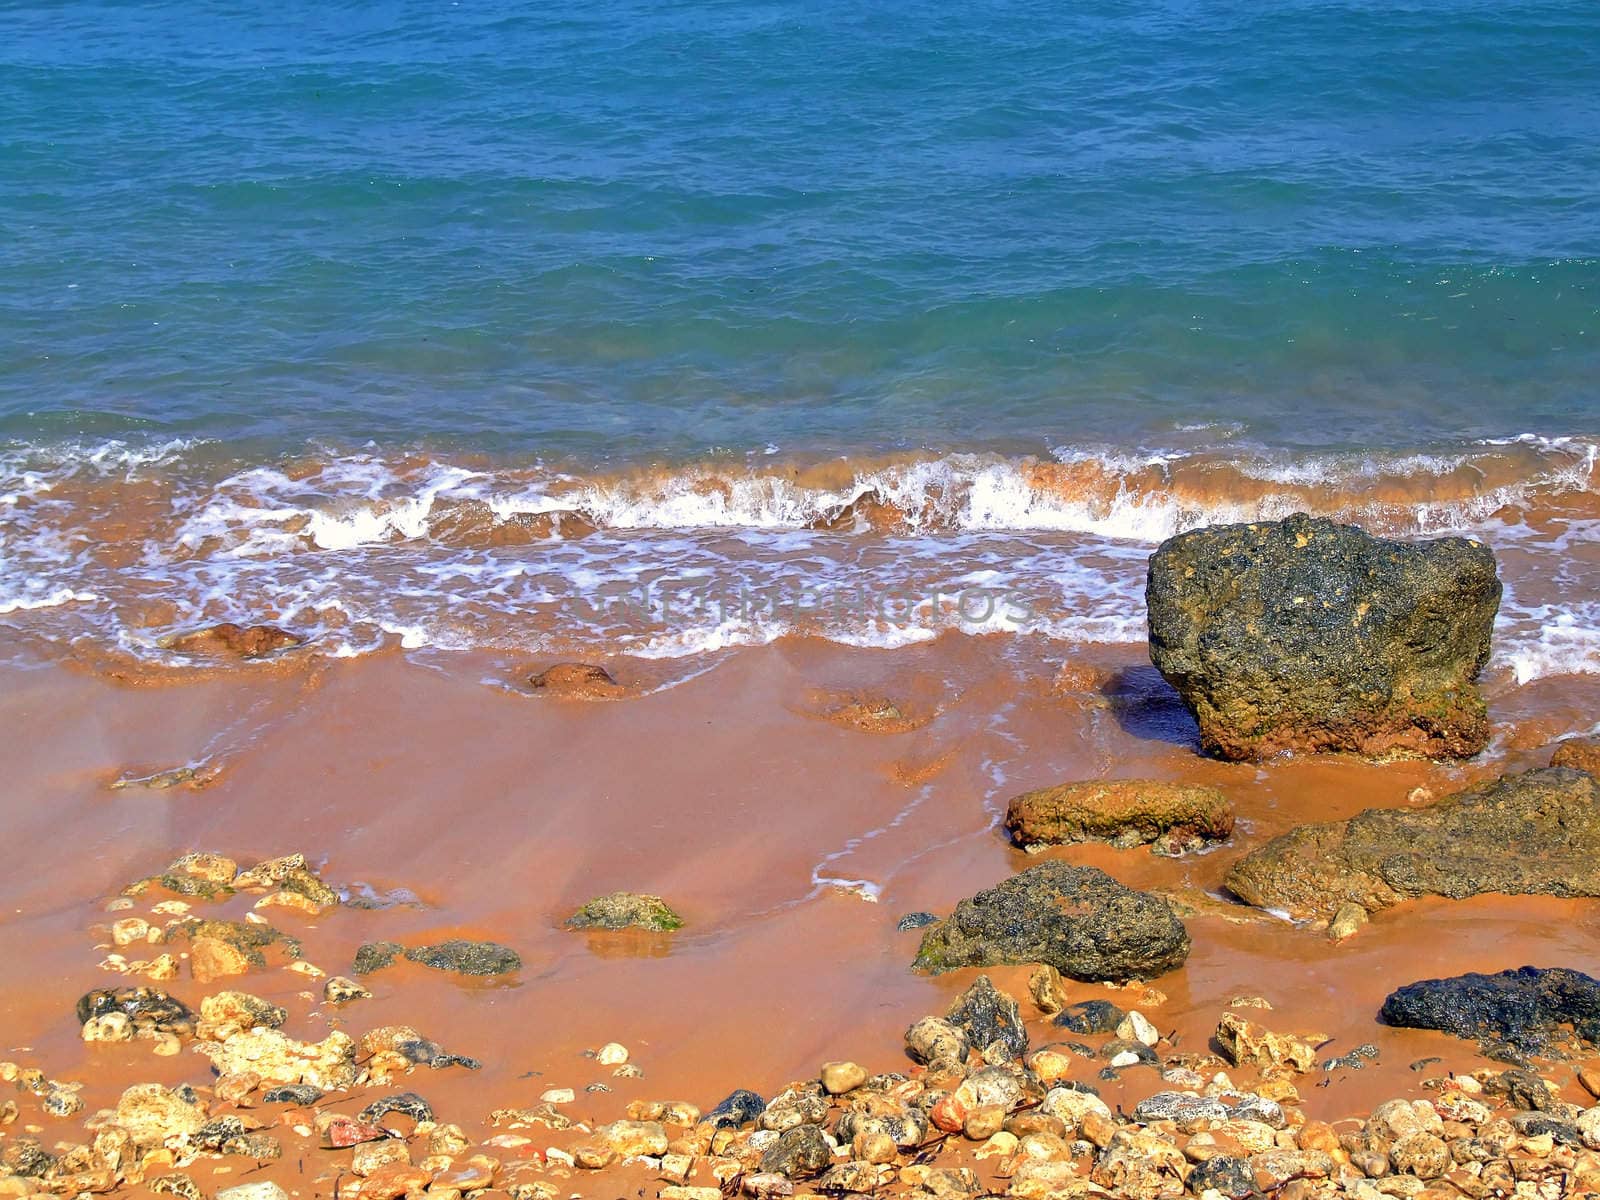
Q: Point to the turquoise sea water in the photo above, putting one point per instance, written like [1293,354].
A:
[621,229]
[426,321]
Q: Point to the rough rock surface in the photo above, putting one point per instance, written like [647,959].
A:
[1175,817]
[1079,920]
[623,910]
[577,681]
[1532,834]
[458,955]
[239,641]
[1524,1009]
[1308,635]
[1581,754]
[987,1015]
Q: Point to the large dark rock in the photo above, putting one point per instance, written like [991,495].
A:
[1308,635]
[457,955]
[1078,919]
[1525,1009]
[1532,834]
[1175,817]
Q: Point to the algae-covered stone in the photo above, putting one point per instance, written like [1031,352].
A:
[625,910]
[1580,754]
[1526,1009]
[1532,834]
[987,1016]
[467,957]
[1077,919]
[1125,812]
[1308,635]
[459,955]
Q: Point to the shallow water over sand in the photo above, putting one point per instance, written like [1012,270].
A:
[791,845]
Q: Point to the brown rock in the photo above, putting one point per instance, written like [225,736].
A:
[237,641]
[1245,1043]
[211,959]
[1125,812]
[577,681]
[1581,754]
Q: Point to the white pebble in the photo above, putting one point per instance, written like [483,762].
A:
[612,1054]
[559,1096]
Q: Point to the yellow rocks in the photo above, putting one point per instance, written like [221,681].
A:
[150,1114]
[211,959]
[1245,1043]
[277,1059]
[841,1077]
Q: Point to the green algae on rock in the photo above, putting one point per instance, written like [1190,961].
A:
[1172,817]
[1313,636]
[1078,920]
[459,955]
[1534,834]
[626,910]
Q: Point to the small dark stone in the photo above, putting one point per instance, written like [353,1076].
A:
[440,1061]
[1356,1060]
[988,1015]
[407,1104]
[1422,1064]
[301,1095]
[740,1108]
[799,1153]
[1233,1177]
[916,920]
[1091,1016]
[1533,1124]
[216,1131]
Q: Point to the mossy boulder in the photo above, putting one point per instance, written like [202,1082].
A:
[626,910]
[1172,817]
[1534,834]
[1306,635]
[1078,920]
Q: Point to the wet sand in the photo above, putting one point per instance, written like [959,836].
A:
[791,844]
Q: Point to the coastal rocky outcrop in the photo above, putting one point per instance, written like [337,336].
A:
[1307,635]
[1078,920]
[1531,1010]
[1537,833]
[1171,817]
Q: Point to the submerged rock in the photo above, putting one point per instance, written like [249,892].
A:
[1308,635]
[1173,817]
[577,681]
[1091,1016]
[231,640]
[458,955]
[1525,1009]
[1532,834]
[626,910]
[1078,920]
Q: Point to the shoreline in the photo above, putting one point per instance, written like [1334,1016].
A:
[504,810]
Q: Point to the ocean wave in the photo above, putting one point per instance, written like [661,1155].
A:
[363,550]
